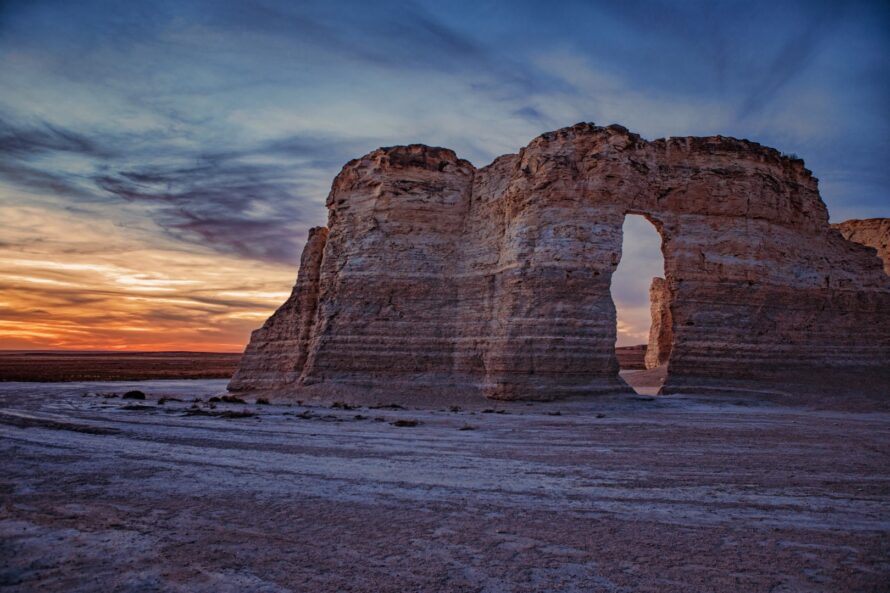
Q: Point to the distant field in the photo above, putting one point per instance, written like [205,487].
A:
[65,365]
[631,357]
[56,365]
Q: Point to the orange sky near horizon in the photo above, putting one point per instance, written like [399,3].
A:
[73,281]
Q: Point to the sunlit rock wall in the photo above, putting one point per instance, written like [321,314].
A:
[661,335]
[445,280]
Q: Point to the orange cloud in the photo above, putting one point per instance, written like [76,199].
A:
[78,281]
[73,281]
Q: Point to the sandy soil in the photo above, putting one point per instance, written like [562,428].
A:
[646,382]
[624,494]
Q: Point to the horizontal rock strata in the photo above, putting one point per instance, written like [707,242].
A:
[660,332]
[278,350]
[437,278]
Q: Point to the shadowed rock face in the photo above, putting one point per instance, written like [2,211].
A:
[436,278]
[871,232]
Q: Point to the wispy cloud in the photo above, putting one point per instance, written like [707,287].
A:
[47,138]
[793,57]
[212,128]
[254,201]
[124,294]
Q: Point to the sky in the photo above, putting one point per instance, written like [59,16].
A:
[162,161]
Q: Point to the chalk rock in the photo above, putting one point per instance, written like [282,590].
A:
[660,334]
[437,279]
[871,232]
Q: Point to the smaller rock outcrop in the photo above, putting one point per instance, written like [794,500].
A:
[871,232]
[435,279]
[660,332]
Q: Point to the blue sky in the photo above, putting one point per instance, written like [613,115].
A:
[212,129]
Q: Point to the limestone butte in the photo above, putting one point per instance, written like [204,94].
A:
[435,278]
[871,232]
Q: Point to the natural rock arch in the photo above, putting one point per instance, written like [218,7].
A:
[434,277]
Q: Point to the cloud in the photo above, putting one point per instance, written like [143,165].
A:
[213,128]
[38,179]
[389,35]
[256,201]
[125,293]
[795,55]
[19,142]
[233,203]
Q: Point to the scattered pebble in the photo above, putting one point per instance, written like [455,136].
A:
[387,407]
[405,423]
[343,406]
[223,414]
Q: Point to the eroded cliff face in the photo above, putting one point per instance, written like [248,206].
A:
[871,232]
[437,278]
[277,351]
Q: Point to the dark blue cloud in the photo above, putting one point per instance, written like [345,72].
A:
[15,141]
[226,120]
[216,198]
[214,202]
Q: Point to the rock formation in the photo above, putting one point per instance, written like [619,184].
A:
[660,336]
[871,232]
[435,278]
[277,351]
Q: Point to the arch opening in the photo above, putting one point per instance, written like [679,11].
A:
[640,293]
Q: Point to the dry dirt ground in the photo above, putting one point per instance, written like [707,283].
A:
[630,493]
[73,365]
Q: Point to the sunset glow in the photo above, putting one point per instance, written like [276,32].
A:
[77,282]
[161,163]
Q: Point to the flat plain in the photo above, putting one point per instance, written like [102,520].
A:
[77,365]
[612,494]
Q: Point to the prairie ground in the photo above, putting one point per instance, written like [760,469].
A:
[62,365]
[619,494]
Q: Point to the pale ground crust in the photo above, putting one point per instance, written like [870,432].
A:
[685,493]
